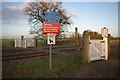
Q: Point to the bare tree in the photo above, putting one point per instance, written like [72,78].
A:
[36,15]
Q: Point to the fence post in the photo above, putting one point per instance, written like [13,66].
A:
[22,38]
[25,43]
[109,45]
[85,50]
[106,47]
[76,35]
[35,42]
[15,43]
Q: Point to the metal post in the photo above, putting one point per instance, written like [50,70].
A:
[50,55]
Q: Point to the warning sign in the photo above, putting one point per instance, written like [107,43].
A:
[51,39]
[51,28]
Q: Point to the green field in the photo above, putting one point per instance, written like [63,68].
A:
[7,42]
[11,43]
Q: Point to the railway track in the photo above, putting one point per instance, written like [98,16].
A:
[23,55]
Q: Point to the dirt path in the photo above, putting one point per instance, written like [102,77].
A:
[98,69]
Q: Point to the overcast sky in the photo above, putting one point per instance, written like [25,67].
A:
[86,15]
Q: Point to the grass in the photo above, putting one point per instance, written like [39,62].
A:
[114,51]
[7,42]
[10,43]
[40,43]
[57,43]
[38,67]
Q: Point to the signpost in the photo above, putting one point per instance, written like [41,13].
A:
[51,27]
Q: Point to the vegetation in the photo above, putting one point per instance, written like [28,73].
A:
[7,42]
[38,67]
[94,35]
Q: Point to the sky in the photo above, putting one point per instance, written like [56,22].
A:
[85,15]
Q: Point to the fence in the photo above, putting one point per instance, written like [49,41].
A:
[24,42]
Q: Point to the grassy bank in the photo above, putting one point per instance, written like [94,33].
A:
[38,67]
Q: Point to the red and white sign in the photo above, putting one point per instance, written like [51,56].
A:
[51,28]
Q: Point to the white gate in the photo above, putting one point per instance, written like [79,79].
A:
[98,49]
[20,43]
[95,49]
[28,42]
[17,43]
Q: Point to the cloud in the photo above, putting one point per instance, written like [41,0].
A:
[29,0]
[12,15]
[70,11]
[73,14]
[15,8]
[12,8]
